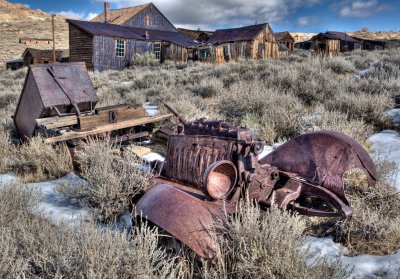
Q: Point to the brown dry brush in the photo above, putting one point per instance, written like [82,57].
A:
[111,182]
[32,247]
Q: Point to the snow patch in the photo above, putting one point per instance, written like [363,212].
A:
[386,145]
[56,208]
[364,266]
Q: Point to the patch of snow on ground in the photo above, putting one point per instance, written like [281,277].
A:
[386,145]
[55,207]
[394,116]
[364,266]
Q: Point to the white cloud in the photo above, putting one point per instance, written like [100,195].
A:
[307,20]
[212,14]
[359,8]
[70,14]
[90,16]
[75,15]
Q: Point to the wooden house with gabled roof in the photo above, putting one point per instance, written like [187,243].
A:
[249,42]
[146,16]
[105,46]
[285,39]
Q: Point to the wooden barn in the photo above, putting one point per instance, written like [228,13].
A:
[284,38]
[146,16]
[198,35]
[250,42]
[331,43]
[43,56]
[108,46]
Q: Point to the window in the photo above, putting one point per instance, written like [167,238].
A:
[157,50]
[147,20]
[119,48]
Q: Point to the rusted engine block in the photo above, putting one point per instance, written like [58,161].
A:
[211,165]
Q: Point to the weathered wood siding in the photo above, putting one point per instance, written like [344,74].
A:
[157,20]
[263,47]
[174,53]
[104,52]
[324,47]
[80,46]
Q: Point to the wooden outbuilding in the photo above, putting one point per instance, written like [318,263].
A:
[109,46]
[371,44]
[332,43]
[250,42]
[283,50]
[198,35]
[43,56]
[15,64]
[51,90]
[284,38]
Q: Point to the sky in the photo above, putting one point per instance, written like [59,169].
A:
[283,15]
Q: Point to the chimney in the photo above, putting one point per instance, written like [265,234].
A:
[146,35]
[106,11]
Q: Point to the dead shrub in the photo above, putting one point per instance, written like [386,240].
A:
[111,183]
[6,149]
[36,161]
[374,227]
[31,247]
[269,245]
[340,65]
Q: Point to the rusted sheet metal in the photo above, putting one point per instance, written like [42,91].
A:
[185,216]
[188,157]
[323,158]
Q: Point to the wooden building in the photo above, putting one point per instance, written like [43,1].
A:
[284,38]
[109,46]
[198,35]
[371,44]
[331,43]
[283,50]
[250,42]
[15,64]
[146,16]
[43,56]
[35,41]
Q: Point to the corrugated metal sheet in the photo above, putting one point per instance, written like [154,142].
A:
[113,30]
[246,33]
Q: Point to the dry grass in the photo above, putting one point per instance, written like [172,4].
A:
[110,184]
[36,161]
[31,247]
[267,245]
[375,225]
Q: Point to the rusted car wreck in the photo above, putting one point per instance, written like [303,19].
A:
[211,165]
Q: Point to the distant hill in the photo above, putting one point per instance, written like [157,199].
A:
[393,38]
[18,21]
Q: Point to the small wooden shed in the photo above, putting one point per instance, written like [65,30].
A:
[249,42]
[284,38]
[283,50]
[53,90]
[33,56]
[15,64]
[332,43]
[371,44]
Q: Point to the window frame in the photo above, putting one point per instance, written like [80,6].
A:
[147,20]
[120,51]
[157,53]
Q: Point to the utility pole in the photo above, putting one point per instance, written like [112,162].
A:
[54,41]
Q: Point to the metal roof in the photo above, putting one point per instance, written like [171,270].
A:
[134,33]
[246,33]
[333,35]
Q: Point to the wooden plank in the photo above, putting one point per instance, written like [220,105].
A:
[57,121]
[121,114]
[129,137]
[107,128]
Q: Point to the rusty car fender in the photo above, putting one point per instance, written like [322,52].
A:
[184,215]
